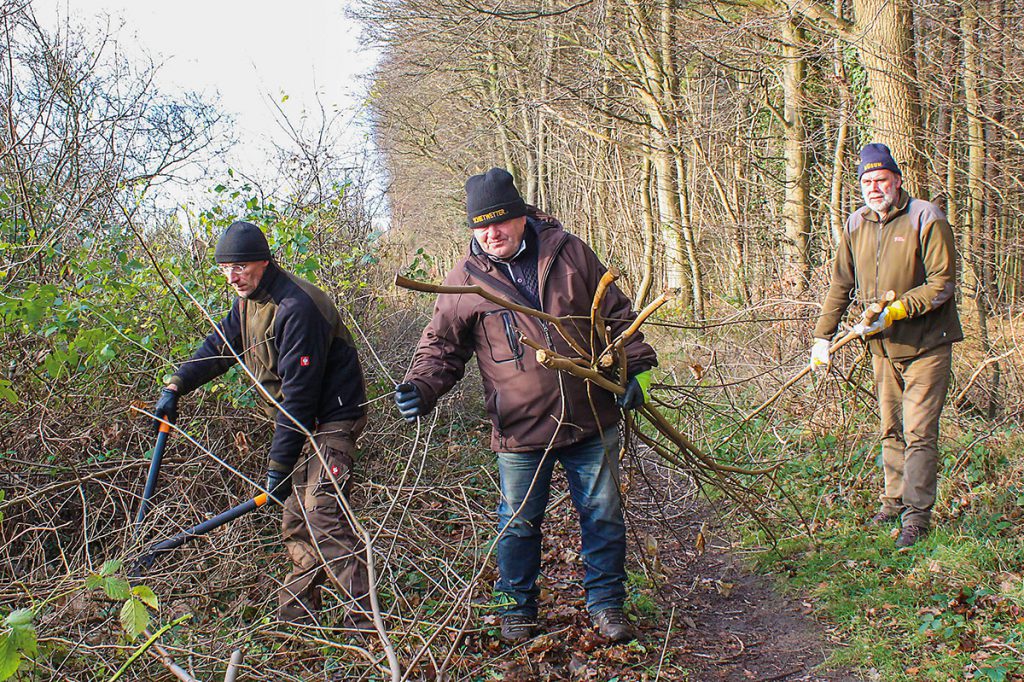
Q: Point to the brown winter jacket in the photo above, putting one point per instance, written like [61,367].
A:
[912,253]
[526,401]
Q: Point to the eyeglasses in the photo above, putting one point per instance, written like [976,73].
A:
[233,268]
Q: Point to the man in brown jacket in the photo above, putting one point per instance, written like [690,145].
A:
[538,415]
[904,244]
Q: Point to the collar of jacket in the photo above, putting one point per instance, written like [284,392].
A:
[899,206]
[261,294]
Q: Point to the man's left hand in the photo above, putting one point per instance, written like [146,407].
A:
[891,313]
[637,391]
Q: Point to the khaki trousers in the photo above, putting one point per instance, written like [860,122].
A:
[910,398]
[320,541]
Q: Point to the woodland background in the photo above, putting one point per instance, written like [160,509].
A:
[706,146]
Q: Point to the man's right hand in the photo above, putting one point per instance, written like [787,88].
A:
[409,401]
[166,407]
[279,484]
[820,356]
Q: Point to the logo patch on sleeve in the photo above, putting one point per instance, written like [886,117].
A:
[304,361]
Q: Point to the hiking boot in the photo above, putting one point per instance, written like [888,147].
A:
[516,627]
[296,613]
[612,624]
[882,519]
[910,535]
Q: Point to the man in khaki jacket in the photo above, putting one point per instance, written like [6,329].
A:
[539,416]
[904,244]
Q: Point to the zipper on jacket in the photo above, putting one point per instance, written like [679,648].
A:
[878,256]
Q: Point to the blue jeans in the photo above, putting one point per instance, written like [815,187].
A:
[592,469]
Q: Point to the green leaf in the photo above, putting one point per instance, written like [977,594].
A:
[20,618]
[7,393]
[19,639]
[134,617]
[117,588]
[110,568]
[93,581]
[10,657]
[146,596]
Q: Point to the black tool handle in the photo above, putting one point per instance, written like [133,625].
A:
[146,560]
[154,473]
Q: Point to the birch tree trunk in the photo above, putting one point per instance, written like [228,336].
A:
[975,152]
[796,215]
[836,214]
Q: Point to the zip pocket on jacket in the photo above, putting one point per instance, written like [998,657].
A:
[501,337]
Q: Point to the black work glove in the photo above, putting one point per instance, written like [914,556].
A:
[279,484]
[166,408]
[633,397]
[409,401]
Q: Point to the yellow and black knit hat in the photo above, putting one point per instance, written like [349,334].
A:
[492,197]
[876,156]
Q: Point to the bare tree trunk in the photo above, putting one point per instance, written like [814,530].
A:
[975,151]
[647,214]
[686,230]
[796,216]
[670,216]
[498,109]
[884,37]
[836,214]
[655,73]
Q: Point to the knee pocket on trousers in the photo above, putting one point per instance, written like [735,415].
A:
[331,480]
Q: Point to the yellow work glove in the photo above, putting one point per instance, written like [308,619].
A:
[891,313]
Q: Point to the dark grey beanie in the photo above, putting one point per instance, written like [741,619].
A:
[492,197]
[242,243]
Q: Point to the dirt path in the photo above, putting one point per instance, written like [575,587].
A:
[726,624]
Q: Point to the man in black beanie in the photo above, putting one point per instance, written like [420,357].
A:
[539,416]
[290,336]
[895,242]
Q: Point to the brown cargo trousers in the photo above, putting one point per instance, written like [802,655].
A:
[910,398]
[320,541]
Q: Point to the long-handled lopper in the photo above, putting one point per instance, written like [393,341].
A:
[154,472]
[146,560]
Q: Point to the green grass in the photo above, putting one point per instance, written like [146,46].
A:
[951,607]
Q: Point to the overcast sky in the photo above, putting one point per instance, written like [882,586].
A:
[241,50]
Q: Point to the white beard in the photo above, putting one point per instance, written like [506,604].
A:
[882,205]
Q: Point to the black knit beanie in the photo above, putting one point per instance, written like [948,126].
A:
[242,243]
[876,156]
[492,197]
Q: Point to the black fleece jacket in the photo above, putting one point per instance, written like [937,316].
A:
[290,336]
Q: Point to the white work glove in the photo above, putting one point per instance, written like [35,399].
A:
[892,312]
[820,357]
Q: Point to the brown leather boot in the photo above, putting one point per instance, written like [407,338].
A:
[613,625]
[882,519]
[516,627]
[910,535]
